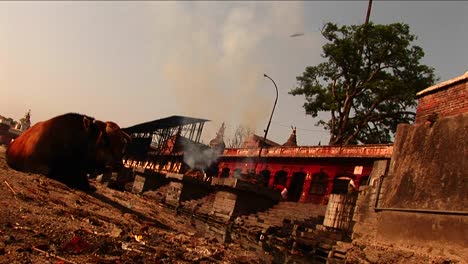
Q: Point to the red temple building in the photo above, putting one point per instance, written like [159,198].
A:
[310,173]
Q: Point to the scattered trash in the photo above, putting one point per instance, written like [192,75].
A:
[76,245]
[139,238]
[44,221]
[132,247]
[11,189]
[53,255]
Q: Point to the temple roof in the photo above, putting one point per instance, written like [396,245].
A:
[168,122]
[253,141]
[444,84]
[292,140]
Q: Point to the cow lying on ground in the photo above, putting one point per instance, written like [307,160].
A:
[68,147]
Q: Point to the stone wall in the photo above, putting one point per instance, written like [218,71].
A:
[421,206]
[442,235]
[251,202]
[173,193]
[145,180]
[428,168]
[224,205]
[183,188]
[365,217]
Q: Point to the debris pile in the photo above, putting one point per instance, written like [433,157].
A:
[44,221]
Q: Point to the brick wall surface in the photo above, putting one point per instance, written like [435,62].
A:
[224,205]
[449,101]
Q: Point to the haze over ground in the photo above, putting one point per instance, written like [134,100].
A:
[132,62]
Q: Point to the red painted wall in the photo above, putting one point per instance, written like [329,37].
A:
[333,167]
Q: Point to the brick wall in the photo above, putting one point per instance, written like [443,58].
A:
[445,99]
[224,205]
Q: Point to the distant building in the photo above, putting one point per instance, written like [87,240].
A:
[253,141]
[10,130]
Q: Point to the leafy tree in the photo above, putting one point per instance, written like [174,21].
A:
[368,82]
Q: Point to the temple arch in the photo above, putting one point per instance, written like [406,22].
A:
[225,173]
[264,178]
[281,177]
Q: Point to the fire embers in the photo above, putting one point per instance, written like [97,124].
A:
[202,159]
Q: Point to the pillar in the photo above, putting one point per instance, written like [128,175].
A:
[289,176]
[306,188]
[272,178]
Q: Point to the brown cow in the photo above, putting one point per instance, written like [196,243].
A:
[68,147]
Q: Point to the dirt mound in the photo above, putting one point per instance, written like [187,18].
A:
[44,221]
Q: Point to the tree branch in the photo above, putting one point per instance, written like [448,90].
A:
[363,121]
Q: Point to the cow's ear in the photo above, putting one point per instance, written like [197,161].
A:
[86,122]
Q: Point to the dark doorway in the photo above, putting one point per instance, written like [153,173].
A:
[296,186]
[318,187]
[364,180]
[341,183]
[264,178]
[225,173]
[281,177]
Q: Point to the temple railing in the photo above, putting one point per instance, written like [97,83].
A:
[355,151]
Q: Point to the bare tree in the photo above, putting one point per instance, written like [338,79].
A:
[241,133]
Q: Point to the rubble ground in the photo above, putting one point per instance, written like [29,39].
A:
[44,221]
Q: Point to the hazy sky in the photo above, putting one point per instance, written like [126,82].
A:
[133,62]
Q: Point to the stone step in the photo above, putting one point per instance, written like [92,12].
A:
[338,255]
[342,247]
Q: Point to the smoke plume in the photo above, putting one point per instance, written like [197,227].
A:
[215,64]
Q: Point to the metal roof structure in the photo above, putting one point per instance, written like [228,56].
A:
[164,141]
[168,122]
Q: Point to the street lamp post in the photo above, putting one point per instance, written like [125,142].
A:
[268,126]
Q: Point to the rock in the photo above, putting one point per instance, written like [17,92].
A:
[8,239]
[371,255]
[116,232]
[2,248]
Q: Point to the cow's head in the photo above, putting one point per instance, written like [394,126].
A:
[110,143]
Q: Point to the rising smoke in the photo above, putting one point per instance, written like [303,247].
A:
[216,60]
[200,156]
[197,157]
